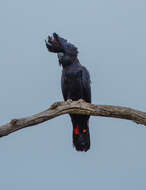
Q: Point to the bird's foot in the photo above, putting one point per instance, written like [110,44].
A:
[81,100]
[69,101]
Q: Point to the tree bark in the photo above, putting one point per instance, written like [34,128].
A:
[74,107]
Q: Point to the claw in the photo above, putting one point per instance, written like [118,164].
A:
[69,101]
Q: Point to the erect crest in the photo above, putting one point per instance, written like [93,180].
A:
[57,44]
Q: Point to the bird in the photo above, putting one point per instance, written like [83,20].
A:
[75,85]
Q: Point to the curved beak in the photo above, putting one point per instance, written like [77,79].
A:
[60,55]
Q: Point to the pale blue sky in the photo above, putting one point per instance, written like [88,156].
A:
[111,37]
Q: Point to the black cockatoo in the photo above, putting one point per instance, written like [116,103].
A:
[75,85]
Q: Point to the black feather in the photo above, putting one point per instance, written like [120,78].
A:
[75,84]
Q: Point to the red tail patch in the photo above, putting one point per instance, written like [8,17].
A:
[76,130]
[84,131]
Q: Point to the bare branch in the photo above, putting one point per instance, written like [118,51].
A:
[74,107]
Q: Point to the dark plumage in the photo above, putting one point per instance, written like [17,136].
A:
[75,84]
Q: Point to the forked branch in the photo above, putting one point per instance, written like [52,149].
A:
[74,107]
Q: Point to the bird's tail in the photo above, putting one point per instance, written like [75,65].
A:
[81,137]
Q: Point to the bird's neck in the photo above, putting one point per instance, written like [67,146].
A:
[75,62]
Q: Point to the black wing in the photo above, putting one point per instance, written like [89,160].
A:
[64,87]
[76,84]
[86,84]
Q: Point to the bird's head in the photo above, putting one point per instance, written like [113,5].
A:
[66,51]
